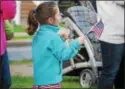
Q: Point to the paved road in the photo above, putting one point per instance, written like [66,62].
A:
[18,53]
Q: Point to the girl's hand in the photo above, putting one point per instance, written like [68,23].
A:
[81,39]
[64,33]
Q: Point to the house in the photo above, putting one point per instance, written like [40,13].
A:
[23,8]
[26,6]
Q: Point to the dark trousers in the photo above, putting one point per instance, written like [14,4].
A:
[5,78]
[112,55]
[120,79]
[94,4]
[1,69]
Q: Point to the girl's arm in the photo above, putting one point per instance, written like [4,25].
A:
[8,9]
[61,51]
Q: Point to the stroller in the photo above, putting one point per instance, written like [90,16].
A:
[79,18]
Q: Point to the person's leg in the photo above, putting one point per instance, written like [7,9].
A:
[119,81]
[111,59]
[6,72]
[94,4]
[1,68]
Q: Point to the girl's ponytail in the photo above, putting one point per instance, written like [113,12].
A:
[40,16]
[32,23]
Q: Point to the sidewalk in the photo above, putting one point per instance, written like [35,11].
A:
[20,34]
[21,69]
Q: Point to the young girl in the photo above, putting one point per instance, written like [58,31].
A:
[48,48]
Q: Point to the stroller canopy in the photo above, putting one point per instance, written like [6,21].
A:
[83,17]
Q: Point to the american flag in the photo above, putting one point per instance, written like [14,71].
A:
[98,28]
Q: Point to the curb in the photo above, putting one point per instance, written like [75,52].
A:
[20,34]
[13,43]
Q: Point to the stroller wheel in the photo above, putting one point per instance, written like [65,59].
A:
[87,78]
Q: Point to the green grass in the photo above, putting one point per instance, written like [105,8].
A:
[23,61]
[62,25]
[22,37]
[21,82]
[18,28]
[70,82]
[27,82]
[68,5]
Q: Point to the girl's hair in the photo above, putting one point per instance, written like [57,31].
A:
[40,16]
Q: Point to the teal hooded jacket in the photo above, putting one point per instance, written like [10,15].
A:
[48,53]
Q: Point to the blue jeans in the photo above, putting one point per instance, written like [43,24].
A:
[1,69]
[112,55]
[119,81]
[5,72]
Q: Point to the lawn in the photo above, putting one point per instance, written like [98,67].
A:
[27,82]
[19,28]
[18,62]
[22,37]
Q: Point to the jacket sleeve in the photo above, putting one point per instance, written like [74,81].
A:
[8,9]
[61,51]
